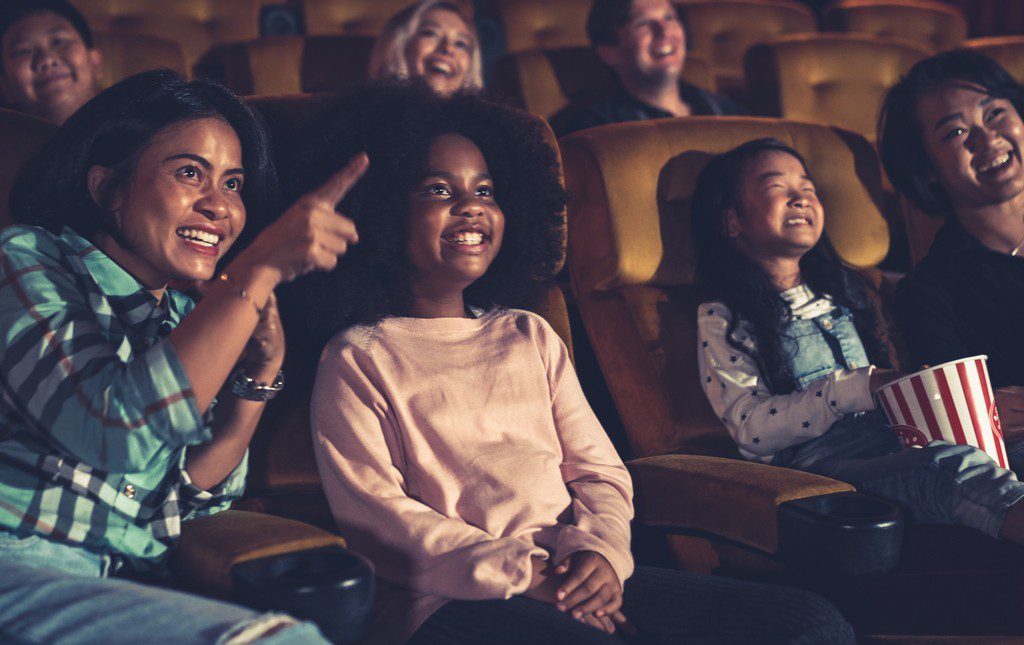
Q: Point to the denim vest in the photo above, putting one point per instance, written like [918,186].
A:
[817,347]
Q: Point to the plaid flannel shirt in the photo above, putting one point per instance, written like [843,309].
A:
[95,408]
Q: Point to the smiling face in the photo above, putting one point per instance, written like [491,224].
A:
[455,225]
[779,214]
[440,51]
[182,207]
[652,45]
[47,69]
[974,142]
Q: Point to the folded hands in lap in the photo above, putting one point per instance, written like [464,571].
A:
[584,584]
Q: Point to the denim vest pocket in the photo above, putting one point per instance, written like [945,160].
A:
[819,346]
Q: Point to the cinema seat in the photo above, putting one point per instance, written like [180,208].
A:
[195,24]
[284,479]
[543,24]
[127,54]
[836,79]
[21,135]
[545,81]
[631,264]
[353,17]
[936,26]
[281,65]
[1008,51]
[721,31]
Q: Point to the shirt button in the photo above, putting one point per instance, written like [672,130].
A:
[129,491]
[827,324]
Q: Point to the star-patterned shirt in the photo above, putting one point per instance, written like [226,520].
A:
[761,423]
[95,409]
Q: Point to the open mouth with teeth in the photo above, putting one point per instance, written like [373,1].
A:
[797,220]
[204,240]
[440,68]
[996,164]
[466,238]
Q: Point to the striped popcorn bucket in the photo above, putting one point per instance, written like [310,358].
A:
[953,402]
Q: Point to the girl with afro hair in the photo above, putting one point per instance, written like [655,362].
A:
[455,445]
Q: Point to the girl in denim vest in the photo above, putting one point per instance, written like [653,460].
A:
[789,350]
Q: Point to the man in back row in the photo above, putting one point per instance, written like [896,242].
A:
[49,65]
[644,43]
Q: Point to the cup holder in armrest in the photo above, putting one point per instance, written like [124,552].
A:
[332,587]
[840,535]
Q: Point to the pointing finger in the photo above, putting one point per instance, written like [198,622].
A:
[337,185]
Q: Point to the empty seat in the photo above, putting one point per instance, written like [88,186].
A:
[195,24]
[357,17]
[838,79]
[543,24]
[721,31]
[545,81]
[1008,51]
[127,54]
[289,64]
[936,26]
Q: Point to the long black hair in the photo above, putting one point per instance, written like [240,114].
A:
[730,276]
[112,129]
[900,142]
[396,123]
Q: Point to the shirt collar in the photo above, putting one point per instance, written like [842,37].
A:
[129,297]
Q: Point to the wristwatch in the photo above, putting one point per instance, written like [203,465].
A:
[245,387]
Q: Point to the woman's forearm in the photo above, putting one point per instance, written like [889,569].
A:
[209,341]
[209,464]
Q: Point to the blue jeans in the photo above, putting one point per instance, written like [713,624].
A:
[56,593]
[939,483]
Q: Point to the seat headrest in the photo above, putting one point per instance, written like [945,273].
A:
[631,185]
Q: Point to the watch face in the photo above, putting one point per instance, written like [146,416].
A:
[245,387]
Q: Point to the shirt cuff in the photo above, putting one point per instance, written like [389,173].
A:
[572,540]
[851,390]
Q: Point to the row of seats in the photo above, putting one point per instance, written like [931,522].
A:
[721,30]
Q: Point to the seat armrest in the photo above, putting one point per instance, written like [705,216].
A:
[728,498]
[211,546]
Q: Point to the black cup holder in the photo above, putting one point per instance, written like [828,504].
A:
[840,535]
[332,587]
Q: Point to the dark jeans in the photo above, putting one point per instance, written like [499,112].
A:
[665,606]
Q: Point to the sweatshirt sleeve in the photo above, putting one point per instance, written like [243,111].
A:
[597,480]
[762,424]
[358,451]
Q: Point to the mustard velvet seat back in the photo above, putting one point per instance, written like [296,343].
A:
[354,17]
[543,24]
[721,31]
[196,25]
[632,263]
[126,54]
[282,65]
[837,79]
[936,26]
[546,80]
[1008,51]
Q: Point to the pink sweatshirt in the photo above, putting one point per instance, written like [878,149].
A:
[454,449]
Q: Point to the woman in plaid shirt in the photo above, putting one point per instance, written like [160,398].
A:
[108,378]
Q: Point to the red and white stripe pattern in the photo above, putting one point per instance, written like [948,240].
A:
[950,402]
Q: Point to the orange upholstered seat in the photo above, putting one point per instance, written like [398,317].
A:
[1008,51]
[838,79]
[936,26]
[721,31]
[543,24]
[195,24]
[279,65]
[127,54]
